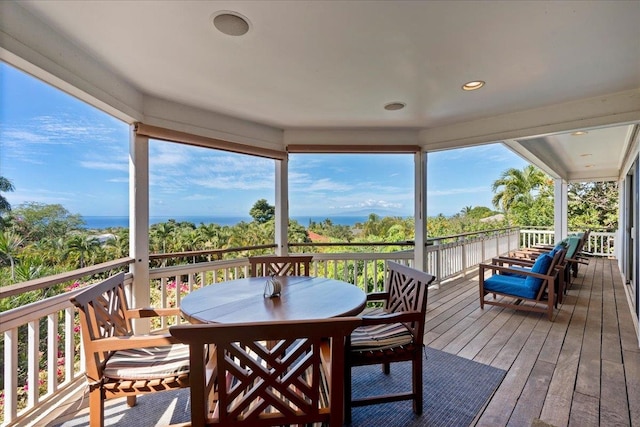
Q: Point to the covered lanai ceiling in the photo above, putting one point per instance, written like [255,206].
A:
[322,71]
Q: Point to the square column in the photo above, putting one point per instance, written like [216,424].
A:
[420,210]
[139,225]
[282,207]
[560,209]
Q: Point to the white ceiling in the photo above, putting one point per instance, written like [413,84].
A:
[335,64]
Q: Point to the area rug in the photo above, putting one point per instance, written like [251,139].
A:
[455,390]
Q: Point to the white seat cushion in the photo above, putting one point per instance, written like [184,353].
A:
[379,337]
[148,363]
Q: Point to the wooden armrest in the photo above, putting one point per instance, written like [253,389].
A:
[377,296]
[512,261]
[403,316]
[494,267]
[542,246]
[134,341]
[525,254]
[138,313]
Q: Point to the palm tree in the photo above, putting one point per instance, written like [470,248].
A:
[119,247]
[10,244]
[373,226]
[517,186]
[83,246]
[161,233]
[466,210]
[5,186]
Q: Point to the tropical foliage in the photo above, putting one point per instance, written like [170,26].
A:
[526,197]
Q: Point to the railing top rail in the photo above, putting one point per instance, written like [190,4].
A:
[35,310]
[158,272]
[355,244]
[210,251]
[472,233]
[45,282]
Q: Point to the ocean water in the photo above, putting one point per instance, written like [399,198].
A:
[101,222]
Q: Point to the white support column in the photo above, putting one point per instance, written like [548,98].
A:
[420,210]
[560,209]
[282,207]
[139,224]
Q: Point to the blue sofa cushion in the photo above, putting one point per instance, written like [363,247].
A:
[516,267]
[541,266]
[572,246]
[510,285]
[557,247]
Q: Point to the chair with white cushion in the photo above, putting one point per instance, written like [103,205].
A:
[119,363]
[391,333]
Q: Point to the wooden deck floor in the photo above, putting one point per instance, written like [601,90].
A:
[582,369]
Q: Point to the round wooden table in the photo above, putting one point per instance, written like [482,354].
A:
[302,298]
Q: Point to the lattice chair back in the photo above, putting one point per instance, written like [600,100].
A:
[393,333]
[119,363]
[103,314]
[294,265]
[246,383]
[407,292]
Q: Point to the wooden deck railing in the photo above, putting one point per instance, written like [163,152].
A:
[45,333]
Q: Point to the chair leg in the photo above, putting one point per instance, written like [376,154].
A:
[386,368]
[96,407]
[417,384]
[347,393]
[131,401]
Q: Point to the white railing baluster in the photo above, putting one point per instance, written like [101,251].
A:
[33,340]
[163,300]
[10,374]
[365,274]
[52,353]
[69,345]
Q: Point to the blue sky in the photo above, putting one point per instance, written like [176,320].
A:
[56,149]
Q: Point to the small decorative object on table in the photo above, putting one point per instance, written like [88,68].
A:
[272,287]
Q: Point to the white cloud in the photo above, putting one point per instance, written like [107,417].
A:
[118,180]
[327,184]
[372,204]
[452,191]
[104,165]
[200,197]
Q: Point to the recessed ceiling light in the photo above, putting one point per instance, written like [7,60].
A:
[393,106]
[589,166]
[579,133]
[586,155]
[473,85]
[230,23]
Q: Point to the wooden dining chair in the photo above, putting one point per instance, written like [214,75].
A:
[391,333]
[273,265]
[119,363]
[239,381]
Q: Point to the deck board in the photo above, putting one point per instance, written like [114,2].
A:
[532,398]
